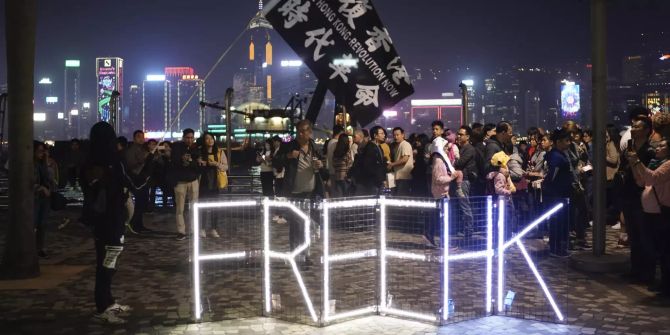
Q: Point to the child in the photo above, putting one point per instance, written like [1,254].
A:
[499,179]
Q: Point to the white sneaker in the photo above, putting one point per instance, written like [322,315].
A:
[281,220]
[617,226]
[203,233]
[118,308]
[275,218]
[108,317]
[213,233]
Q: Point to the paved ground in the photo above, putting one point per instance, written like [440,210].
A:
[154,277]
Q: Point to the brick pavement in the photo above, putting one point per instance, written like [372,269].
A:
[154,277]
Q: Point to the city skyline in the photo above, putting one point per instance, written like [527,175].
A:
[454,61]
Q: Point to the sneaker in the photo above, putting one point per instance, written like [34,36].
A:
[118,308]
[281,220]
[583,245]
[565,255]
[108,317]
[213,233]
[617,226]
[64,223]
[428,243]
[203,233]
[275,218]
[131,229]
[180,237]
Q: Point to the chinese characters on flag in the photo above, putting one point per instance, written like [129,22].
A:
[346,45]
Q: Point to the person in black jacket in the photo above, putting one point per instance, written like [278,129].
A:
[104,184]
[501,141]
[369,170]
[467,163]
[184,174]
[304,172]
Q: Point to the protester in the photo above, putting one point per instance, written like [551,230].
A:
[42,187]
[74,161]
[139,162]
[278,173]
[403,163]
[185,173]
[467,163]
[500,141]
[656,206]
[341,163]
[369,169]
[264,158]
[640,234]
[419,177]
[212,161]
[558,185]
[303,177]
[103,184]
[330,150]
[443,173]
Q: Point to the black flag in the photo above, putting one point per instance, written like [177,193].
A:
[346,45]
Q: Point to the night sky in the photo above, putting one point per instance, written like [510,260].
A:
[481,34]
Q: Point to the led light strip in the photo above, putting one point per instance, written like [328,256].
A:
[531,226]
[445,266]
[328,258]
[290,257]
[385,253]
[531,264]
[501,259]
[196,247]
[352,255]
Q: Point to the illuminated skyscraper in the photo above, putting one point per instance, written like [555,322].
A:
[255,80]
[156,102]
[132,112]
[109,76]
[72,85]
[191,112]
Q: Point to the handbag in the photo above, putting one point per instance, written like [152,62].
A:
[221,176]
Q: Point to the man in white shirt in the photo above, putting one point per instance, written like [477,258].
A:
[403,163]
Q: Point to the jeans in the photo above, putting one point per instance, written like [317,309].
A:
[41,212]
[558,230]
[107,251]
[339,189]
[464,206]
[183,190]
[403,188]
[266,184]
[367,190]
[141,204]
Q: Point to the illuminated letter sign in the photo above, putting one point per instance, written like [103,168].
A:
[383,253]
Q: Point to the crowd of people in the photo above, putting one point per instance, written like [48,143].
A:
[120,180]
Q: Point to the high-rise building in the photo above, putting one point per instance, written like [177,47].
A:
[109,76]
[632,69]
[132,111]
[255,80]
[156,102]
[71,97]
[174,75]
[191,113]
[49,119]
[71,94]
